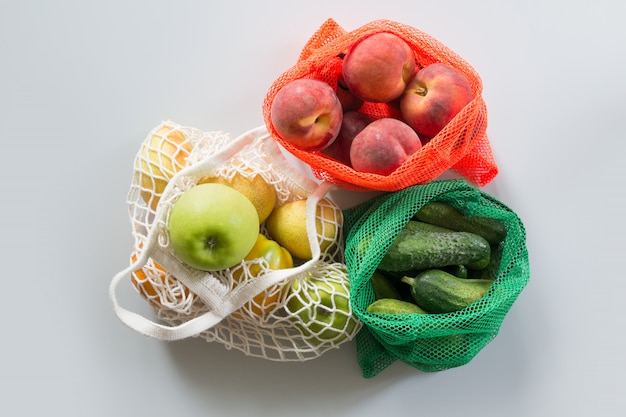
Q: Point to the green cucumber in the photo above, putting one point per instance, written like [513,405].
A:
[437,291]
[419,226]
[442,214]
[394,306]
[395,277]
[460,271]
[492,268]
[383,287]
[416,251]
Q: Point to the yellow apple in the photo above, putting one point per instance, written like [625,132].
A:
[287,225]
[160,158]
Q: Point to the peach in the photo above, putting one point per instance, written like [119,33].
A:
[353,123]
[307,113]
[379,67]
[436,94]
[383,145]
[349,102]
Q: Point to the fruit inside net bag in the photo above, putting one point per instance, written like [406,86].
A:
[462,145]
[278,304]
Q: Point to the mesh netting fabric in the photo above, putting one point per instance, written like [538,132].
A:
[428,342]
[462,145]
[248,307]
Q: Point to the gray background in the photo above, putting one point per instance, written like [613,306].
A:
[81,84]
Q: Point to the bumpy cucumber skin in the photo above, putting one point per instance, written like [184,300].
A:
[437,291]
[394,306]
[417,251]
[442,214]
[383,287]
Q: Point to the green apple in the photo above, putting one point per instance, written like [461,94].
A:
[212,226]
[320,308]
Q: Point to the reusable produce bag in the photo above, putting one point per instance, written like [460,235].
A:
[241,309]
[462,145]
[428,342]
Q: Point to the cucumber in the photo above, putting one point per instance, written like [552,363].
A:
[395,277]
[460,271]
[416,251]
[394,306]
[419,226]
[492,268]
[442,214]
[437,291]
[383,287]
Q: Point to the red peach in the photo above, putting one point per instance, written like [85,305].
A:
[434,96]
[307,113]
[383,145]
[353,123]
[378,67]
[349,102]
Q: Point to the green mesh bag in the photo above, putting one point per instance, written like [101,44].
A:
[428,342]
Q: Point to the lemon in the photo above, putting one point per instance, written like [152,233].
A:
[261,194]
[287,225]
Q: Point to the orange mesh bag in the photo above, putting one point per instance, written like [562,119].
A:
[462,145]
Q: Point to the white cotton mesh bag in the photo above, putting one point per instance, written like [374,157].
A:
[291,314]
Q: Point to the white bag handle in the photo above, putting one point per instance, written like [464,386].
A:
[214,294]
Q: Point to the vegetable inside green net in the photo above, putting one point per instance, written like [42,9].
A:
[428,342]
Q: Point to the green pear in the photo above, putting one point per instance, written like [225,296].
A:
[321,309]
